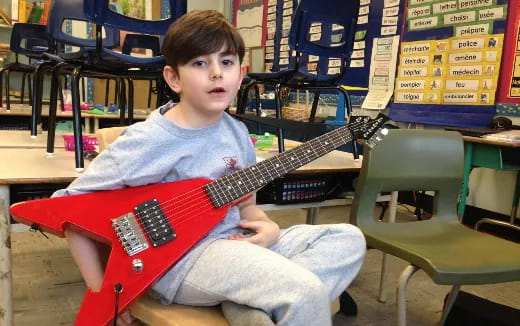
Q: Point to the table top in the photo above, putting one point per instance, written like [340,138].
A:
[496,142]
[22,139]
[30,166]
[335,161]
[25,110]
[26,165]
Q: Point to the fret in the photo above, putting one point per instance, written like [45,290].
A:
[236,185]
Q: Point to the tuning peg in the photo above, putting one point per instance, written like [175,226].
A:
[377,137]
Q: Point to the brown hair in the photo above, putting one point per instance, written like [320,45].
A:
[200,32]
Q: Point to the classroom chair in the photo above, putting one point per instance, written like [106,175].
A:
[102,62]
[309,13]
[448,251]
[29,40]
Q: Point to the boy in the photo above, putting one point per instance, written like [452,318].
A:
[288,276]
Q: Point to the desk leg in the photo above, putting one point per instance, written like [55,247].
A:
[516,198]
[392,210]
[6,302]
[312,215]
[96,125]
[88,128]
[468,159]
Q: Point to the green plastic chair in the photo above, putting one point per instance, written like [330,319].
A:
[449,252]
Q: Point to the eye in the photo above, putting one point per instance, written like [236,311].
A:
[227,62]
[199,63]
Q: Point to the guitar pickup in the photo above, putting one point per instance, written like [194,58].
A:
[155,222]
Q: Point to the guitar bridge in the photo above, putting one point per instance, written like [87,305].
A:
[129,234]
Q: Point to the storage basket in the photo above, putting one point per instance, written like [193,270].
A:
[301,113]
[89,143]
[297,189]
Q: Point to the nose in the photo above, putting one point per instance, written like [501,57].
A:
[216,72]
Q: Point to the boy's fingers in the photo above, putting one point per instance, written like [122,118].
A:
[125,315]
[250,225]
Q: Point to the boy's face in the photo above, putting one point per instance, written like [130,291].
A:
[207,83]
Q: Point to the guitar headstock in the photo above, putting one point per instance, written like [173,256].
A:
[367,129]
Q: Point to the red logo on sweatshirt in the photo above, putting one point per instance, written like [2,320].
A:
[231,164]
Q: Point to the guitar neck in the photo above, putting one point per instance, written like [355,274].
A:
[233,186]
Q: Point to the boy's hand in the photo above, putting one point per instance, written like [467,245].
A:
[265,234]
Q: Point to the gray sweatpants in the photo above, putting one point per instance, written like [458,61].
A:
[294,281]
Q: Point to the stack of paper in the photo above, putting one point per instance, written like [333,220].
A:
[512,136]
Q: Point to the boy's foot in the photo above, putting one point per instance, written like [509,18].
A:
[238,315]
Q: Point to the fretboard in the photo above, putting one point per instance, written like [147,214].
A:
[233,186]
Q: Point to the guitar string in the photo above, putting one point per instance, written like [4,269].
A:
[179,215]
[334,137]
[202,206]
[206,205]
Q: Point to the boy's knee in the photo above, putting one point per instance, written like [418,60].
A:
[350,238]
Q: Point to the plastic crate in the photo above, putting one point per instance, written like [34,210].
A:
[297,189]
[89,143]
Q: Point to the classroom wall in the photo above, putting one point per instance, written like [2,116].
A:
[224,6]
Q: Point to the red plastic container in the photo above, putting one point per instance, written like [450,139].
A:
[89,143]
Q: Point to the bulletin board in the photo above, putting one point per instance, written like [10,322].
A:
[377,19]
[449,62]
[508,93]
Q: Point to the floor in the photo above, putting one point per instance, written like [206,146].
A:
[48,288]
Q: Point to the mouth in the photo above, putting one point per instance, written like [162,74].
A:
[217,90]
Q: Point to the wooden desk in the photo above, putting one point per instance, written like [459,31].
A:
[23,139]
[24,166]
[493,154]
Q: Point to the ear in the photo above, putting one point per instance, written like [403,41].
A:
[172,79]
[243,73]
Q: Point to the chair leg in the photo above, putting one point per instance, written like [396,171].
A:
[116,91]
[449,303]
[36,104]
[130,101]
[22,91]
[2,71]
[107,88]
[401,293]
[150,87]
[7,95]
[383,280]
[76,119]
[61,82]
[122,102]
[392,205]
[258,109]
[159,86]
[83,94]
[53,105]
[29,83]
[277,90]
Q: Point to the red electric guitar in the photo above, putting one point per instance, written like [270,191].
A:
[150,227]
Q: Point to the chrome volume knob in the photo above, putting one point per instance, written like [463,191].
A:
[137,265]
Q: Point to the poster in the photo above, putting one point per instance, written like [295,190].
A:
[249,20]
[382,73]
[453,71]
